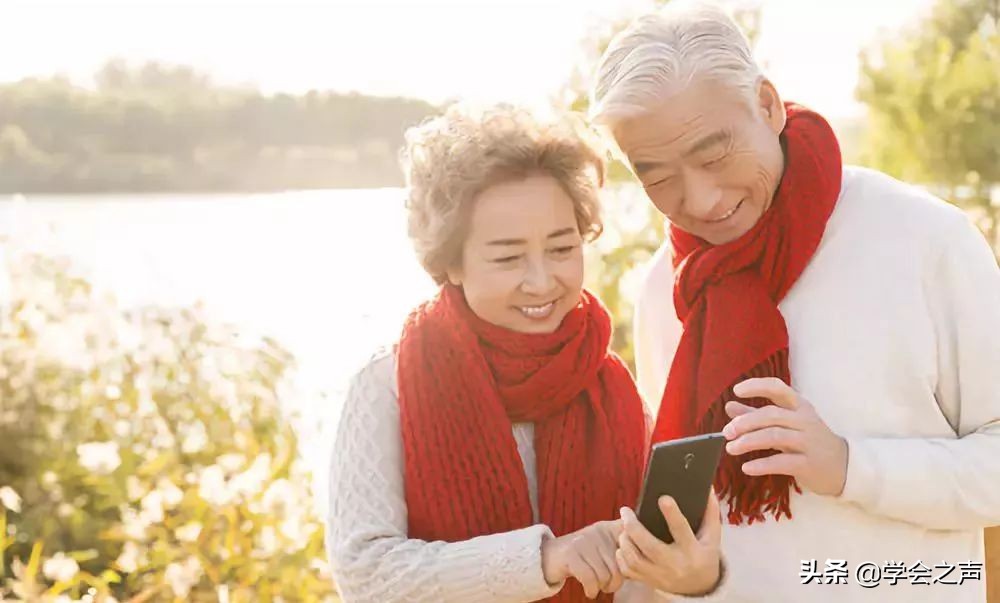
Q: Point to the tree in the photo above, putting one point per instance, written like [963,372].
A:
[157,127]
[147,455]
[933,97]
[116,75]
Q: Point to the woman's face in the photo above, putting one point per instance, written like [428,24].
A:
[522,261]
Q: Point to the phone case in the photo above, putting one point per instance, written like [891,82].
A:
[683,469]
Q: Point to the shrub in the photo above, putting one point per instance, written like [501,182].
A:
[146,455]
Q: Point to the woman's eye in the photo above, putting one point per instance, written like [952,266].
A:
[564,250]
[716,161]
[506,260]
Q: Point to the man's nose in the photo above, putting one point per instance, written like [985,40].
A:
[702,195]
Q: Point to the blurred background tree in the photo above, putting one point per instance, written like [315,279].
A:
[156,127]
[933,98]
[146,454]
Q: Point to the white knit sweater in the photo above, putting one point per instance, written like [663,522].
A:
[894,332]
[372,559]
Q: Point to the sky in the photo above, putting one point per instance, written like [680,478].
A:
[514,50]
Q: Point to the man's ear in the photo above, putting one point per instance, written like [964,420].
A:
[771,108]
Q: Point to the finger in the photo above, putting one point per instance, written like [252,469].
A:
[736,409]
[615,528]
[584,574]
[608,543]
[772,388]
[617,581]
[768,438]
[651,547]
[710,533]
[759,418]
[597,563]
[679,526]
[630,556]
[786,463]
[626,568]
[610,531]
[608,556]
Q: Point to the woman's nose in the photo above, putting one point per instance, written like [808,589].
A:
[537,277]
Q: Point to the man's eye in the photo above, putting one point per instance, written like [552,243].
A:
[663,180]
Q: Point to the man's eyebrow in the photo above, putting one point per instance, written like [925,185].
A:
[721,136]
[641,167]
[718,137]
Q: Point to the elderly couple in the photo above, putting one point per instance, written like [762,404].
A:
[840,328]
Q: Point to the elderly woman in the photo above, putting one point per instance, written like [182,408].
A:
[492,455]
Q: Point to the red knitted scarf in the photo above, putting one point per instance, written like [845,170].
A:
[727,297]
[463,382]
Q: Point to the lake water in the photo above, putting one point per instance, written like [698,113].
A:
[330,274]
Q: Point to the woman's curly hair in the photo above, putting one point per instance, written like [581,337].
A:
[450,159]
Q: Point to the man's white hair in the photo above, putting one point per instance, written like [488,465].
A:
[662,52]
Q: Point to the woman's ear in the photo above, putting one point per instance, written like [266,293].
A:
[454,277]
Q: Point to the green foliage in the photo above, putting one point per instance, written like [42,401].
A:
[632,235]
[933,96]
[145,454]
[161,128]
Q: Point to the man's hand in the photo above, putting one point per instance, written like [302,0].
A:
[588,555]
[809,451]
[688,566]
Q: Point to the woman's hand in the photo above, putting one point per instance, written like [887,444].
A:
[588,555]
[688,566]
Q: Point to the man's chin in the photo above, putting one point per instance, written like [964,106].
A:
[721,236]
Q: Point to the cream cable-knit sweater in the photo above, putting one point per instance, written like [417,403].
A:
[373,561]
[894,332]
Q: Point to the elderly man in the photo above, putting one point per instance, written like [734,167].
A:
[840,327]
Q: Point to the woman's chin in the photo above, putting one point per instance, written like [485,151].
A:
[533,327]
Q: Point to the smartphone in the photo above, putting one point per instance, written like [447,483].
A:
[683,469]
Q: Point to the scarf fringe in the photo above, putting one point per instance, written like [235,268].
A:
[750,498]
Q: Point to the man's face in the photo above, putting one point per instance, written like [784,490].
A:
[709,158]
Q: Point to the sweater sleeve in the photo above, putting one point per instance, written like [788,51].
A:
[372,559]
[948,483]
